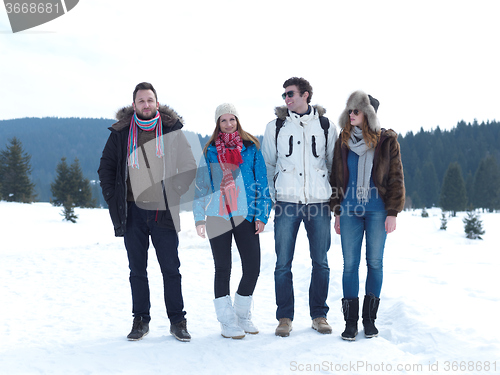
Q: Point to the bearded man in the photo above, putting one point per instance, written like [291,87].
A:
[146,166]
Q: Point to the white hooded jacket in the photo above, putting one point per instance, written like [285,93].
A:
[298,166]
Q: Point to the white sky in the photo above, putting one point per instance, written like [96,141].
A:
[429,63]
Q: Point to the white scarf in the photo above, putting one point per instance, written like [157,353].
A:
[365,163]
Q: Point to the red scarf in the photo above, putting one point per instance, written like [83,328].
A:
[229,156]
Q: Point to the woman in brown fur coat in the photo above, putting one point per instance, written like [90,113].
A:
[368,193]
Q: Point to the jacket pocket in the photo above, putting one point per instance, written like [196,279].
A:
[285,145]
[108,194]
[319,186]
[318,144]
[285,182]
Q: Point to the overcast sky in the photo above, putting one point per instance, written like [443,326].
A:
[430,63]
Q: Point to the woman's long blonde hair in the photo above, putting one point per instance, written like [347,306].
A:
[371,138]
[243,135]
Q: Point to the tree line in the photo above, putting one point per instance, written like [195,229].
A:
[70,188]
[458,168]
[49,139]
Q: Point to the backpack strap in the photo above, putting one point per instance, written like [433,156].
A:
[325,125]
[279,125]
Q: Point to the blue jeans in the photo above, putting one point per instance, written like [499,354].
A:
[140,225]
[352,230]
[287,219]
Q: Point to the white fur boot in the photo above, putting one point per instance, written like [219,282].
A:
[227,318]
[242,308]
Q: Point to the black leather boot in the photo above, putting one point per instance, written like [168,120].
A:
[370,307]
[350,308]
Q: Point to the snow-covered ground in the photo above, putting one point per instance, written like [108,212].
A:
[66,305]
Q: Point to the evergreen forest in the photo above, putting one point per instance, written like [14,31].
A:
[427,156]
[473,148]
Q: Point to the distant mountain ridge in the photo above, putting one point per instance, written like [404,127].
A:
[49,139]
[425,154]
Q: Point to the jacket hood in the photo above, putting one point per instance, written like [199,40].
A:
[282,112]
[388,133]
[168,117]
[360,101]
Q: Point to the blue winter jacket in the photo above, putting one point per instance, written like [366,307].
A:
[254,202]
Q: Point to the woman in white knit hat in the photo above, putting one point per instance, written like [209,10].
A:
[232,201]
[368,193]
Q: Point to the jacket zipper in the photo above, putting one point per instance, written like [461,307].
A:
[304,161]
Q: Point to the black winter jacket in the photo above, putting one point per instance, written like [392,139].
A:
[179,168]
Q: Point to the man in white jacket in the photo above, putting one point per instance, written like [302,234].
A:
[298,151]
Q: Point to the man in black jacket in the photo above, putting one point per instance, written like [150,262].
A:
[146,166]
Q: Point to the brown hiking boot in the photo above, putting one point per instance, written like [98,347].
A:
[321,325]
[284,327]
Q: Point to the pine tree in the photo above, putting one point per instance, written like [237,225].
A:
[15,170]
[61,187]
[429,191]
[70,182]
[453,194]
[473,226]
[469,188]
[82,191]
[69,210]
[444,222]
[417,202]
[487,184]
[419,187]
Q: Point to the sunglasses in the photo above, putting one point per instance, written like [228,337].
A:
[290,94]
[356,112]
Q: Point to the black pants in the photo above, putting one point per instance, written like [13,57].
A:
[221,232]
[141,224]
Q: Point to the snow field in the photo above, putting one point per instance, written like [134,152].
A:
[67,306]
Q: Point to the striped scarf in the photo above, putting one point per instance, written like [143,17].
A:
[229,156]
[146,125]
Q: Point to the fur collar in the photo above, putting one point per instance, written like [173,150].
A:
[168,117]
[282,112]
[360,101]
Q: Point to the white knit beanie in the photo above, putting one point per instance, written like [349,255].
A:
[225,108]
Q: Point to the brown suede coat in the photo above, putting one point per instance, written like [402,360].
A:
[387,173]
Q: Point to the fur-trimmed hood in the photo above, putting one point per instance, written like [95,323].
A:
[282,111]
[168,117]
[360,101]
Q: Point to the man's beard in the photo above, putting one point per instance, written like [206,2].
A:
[140,116]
